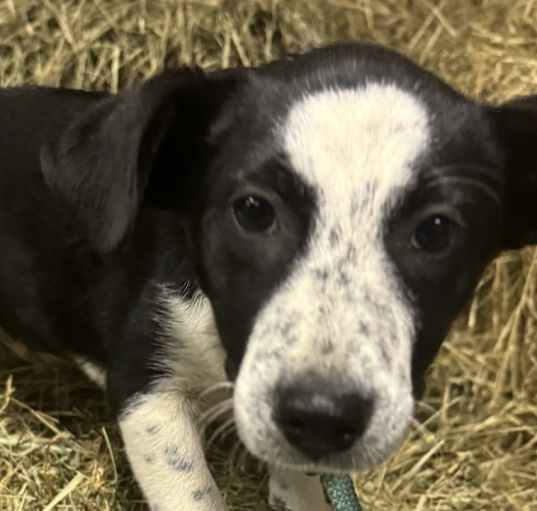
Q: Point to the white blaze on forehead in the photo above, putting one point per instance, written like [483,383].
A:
[356,148]
[341,311]
[340,140]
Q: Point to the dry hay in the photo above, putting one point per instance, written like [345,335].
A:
[476,447]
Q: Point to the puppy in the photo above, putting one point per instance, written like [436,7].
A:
[307,230]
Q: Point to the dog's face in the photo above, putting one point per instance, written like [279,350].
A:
[342,206]
[341,232]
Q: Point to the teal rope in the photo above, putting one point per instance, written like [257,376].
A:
[340,492]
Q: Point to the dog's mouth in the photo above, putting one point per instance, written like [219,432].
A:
[280,454]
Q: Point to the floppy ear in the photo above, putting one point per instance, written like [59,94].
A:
[102,164]
[516,125]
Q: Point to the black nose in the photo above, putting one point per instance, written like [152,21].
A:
[319,421]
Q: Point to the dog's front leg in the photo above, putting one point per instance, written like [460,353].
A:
[166,455]
[290,490]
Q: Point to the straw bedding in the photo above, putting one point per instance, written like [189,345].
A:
[475,446]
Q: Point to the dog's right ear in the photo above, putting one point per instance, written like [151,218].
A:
[101,165]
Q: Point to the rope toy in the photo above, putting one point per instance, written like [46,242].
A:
[340,492]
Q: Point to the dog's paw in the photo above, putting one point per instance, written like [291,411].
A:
[296,491]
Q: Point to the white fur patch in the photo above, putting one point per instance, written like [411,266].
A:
[341,313]
[192,350]
[166,454]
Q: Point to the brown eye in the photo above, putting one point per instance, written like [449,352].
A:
[434,234]
[254,213]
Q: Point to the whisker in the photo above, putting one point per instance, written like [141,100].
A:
[235,452]
[216,411]
[462,168]
[478,176]
[224,385]
[475,183]
[222,431]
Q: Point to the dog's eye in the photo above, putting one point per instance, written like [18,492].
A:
[434,234]
[254,213]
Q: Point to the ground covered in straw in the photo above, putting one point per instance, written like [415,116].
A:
[476,445]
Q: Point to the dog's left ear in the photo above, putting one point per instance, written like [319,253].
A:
[516,125]
[106,161]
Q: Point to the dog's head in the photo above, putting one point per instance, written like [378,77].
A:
[341,207]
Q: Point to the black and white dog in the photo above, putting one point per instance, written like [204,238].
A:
[307,230]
